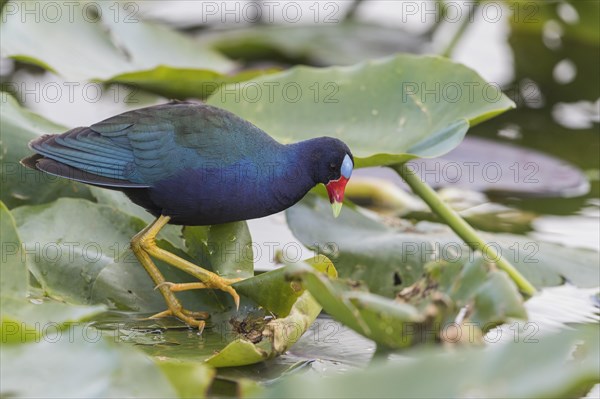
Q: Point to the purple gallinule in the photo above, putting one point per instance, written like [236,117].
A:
[193,164]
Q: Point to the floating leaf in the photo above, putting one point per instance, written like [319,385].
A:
[389,258]
[119,201]
[275,292]
[230,250]
[110,43]
[190,380]
[184,83]
[340,43]
[238,353]
[25,320]
[96,368]
[14,275]
[515,370]
[479,164]
[377,107]
[488,296]
[90,261]
[424,311]
[82,48]
[277,335]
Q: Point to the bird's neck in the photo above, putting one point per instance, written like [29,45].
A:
[304,160]
[295,174]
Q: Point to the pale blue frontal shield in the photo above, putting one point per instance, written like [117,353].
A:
[347,166]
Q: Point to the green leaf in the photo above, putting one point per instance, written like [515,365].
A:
[21,185]
[150,44]
[286,331]
[226,249]
[79,252]
[183,83]
[117,46]
[497,301]
[388,258]
[238,353]
[14,276]
[380,319]
[342,43]
[488,296]
[88,47]
[230,250]
[277,335]
[275,292]
[231,338]
[515,370]
[190,380]
[26,320]
[119,201]
[95,368]
[70,241]
[379,108]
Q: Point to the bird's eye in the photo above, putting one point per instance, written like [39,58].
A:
[332,166]
[347,167]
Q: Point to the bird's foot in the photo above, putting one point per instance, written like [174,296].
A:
[213,281]
[191,318]
[144,247]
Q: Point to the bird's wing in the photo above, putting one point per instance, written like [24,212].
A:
[90,154]
[146,145]
[60,169]
[168,138]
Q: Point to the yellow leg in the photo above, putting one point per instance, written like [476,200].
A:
[196,315]
[144,245]
[175,307]
[184,286]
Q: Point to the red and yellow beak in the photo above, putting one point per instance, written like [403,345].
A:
[335,190]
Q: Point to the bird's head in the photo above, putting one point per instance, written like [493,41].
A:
[335,163]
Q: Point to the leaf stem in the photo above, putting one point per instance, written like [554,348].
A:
[351,14]
[460,227]
[460,31]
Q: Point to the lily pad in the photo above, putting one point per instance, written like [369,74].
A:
[262,287]
[548,368]
[375,317]
[184,83]
[388,258]
[488,296]
[82,48]
[89,261]
[111,43]
[27,320]
[119,201]
[425,311]
[379,108]
[277,336]
[231,338]
[225,249]
[342,43]
[14,275]
[480,164]
[190,380]
[32,370]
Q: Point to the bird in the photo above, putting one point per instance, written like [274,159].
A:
[192,164]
